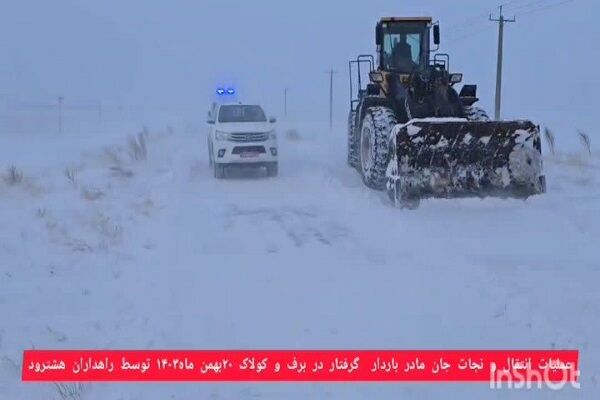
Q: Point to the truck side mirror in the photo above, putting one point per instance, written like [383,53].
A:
[378,35]
[209,118]
[272,120]
[436,34]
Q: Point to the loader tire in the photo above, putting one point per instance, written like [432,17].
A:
[373,145]
[352,145]
[473,113]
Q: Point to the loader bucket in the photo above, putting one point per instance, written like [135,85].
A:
[461,158]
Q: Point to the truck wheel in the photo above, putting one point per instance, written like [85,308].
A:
[219,170]
[272,169]
[352,147]
[210,155]
[373,146]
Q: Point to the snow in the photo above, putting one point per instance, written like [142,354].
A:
[436,120]
[413,129]
[525,163]
[157,254]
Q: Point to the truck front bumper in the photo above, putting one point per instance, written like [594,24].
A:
[245,153]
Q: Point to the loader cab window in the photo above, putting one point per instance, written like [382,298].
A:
[404,46]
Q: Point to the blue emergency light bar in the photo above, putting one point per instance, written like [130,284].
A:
[222,91]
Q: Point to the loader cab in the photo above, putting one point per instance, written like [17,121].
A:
[403,44]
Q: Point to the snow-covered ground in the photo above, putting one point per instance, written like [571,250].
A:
[99,250]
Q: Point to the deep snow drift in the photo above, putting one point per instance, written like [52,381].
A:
[101,247]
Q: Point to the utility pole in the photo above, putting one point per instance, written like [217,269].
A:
[60,104]
[331,72]
[501,21]
[285,91]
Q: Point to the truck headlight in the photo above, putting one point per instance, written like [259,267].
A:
[222,136]
[272,135]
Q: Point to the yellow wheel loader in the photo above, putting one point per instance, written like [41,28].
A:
[412,133]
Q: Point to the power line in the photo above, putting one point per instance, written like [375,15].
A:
[469,34]
[467,23]
[546,7]
[466,28]
[525,5]
[534,6]
[509,4]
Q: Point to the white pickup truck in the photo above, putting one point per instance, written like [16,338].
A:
[241,134]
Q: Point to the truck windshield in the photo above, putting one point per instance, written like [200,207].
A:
[241,113]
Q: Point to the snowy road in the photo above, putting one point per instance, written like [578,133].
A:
[158,254]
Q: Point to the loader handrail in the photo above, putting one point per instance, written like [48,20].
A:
[361,59]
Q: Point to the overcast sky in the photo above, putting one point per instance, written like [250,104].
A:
[175,52]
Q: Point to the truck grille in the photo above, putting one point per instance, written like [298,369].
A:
[249,137]
[248,149]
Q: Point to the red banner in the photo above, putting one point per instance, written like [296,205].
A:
[299,366]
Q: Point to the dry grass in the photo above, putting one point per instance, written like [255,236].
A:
[70,391]
[573,160]
[79,245]
[293,135]
[137,146]
[41,212]
[91,194]
[550,140]
[111,233]
[586,142]
[10,362]
[13,176]
[112,154]
[119,171]
[71,175]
